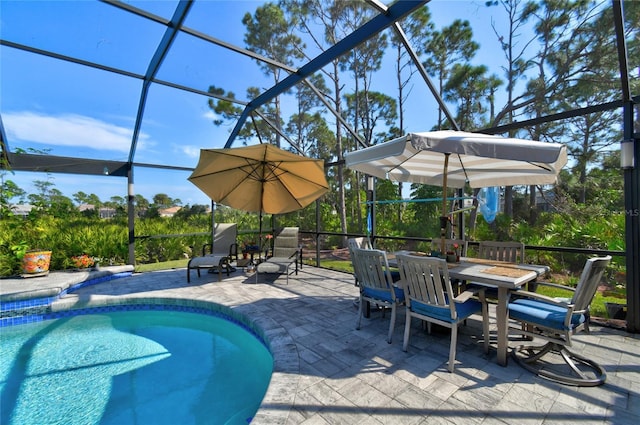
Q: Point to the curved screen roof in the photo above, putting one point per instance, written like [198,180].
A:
[98,85]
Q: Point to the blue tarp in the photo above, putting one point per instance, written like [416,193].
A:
[488,202]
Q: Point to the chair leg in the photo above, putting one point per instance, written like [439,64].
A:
[407,330]
[392,323]
[485,326]
[452,348]
[530,357]
[359,313]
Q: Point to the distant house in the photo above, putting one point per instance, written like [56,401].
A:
[107,212]
[169,212]
[21,210]
[545,203]
[86,207]
[103,212]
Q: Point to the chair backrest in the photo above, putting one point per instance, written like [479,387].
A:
[353,244]
[372,269]
[224,236]
[286,243]
[449,245]
[361,242]
[589,280]
[427,284]
[512,252]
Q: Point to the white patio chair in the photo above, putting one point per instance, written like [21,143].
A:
[509,251]
[376,284]
[555,321]
[357,243]
[362,242]
[429,298]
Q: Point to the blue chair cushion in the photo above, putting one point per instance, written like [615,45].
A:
[382,295]
[464,310]
[542,313]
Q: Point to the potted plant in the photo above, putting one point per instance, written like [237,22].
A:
[83,261]
[35,262]
[452,255]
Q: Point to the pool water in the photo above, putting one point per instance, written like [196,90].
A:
[132,367]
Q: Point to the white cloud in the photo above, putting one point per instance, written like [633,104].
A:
[190,151]
[70,130]
[210,115]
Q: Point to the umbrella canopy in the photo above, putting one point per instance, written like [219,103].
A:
[478,159]
[455,158]
[260,178]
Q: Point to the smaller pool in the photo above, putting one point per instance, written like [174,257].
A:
[132,367]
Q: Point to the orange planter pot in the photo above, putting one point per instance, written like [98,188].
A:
[36,263]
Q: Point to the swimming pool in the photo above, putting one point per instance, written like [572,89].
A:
[144,365]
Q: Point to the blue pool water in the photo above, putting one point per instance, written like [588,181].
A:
[132,367]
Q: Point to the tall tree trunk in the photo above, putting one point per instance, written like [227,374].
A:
[339,154]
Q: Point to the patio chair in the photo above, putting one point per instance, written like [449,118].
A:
[220,253]
[428,296]
[555,321]
[509,251]
[376,284]
[355,243]
[286,252]
[362,242]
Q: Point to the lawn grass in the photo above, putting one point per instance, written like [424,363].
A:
[338,265]
[165,265]
[598,308]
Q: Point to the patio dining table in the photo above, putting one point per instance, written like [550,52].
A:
[504,276]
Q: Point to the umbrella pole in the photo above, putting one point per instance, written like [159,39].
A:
[213,224]
[260,232]
[443,218]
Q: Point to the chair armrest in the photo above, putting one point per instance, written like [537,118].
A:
[557,286]
[295,253]
[464,296]
[540,297]
[204,248]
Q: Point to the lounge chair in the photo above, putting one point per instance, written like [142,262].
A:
[286,252]
[220,254]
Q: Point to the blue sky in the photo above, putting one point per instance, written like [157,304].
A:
[76,111]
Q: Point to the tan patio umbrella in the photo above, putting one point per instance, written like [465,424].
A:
[260,178]
[457,158]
